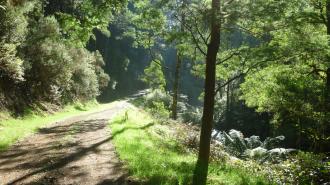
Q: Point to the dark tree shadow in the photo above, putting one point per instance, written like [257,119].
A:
[51,158]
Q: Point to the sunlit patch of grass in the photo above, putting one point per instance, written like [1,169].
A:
[153,156]
[13,129]
[152,159]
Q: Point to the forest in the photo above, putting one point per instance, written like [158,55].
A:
[168,92]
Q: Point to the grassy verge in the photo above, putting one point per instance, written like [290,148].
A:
[153,156]
[13,129]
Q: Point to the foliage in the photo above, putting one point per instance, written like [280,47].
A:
[84,81]
[146,23]
[11,66]
[309,168]
[291,60]
[292,95]
[252,147]
[191,115]
[303,168]
[153,155]
[158,102]
[102,77]
[37,64]
[79,19]
[154,76]
[48,60]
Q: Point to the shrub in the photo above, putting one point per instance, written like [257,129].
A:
[309,168]
[11,66]
[47,60]
[59,72]
[192,115]
[102,77]
[153,76]
[157,96]
[158,102]
[235,144]
[84,81]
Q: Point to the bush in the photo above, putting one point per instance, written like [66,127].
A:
[102,77]
[47,60]
[158,102]
[84,81]
[58,72]
[154,77]
[38,64]
[192,115]
[235,144]
[309,168]
[11,66]
[157,96]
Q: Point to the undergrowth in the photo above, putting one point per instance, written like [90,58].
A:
[154,156]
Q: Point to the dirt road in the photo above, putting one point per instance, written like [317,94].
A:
[74,151]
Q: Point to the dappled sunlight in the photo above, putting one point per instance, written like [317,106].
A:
[64,153]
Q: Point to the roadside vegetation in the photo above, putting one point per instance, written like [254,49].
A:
[153,154]
[235,159]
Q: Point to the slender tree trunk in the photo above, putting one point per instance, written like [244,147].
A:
[227,106]
[327,89]
[327,85]
[201,168]
[176,86]
[177,71]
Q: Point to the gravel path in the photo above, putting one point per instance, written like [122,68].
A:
[74,151]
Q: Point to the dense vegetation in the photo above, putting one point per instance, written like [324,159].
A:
[242,73]
[147,143]
[43,58]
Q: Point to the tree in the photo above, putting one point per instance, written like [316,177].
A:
[154,76]
[327,89]
[36,61]
[292,61]
[201,169]
[79,19]
[179,33]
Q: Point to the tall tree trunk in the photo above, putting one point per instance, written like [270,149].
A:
[327,89]
[176,86]
[177,70]
[327,85]
[201,168]
[227,106]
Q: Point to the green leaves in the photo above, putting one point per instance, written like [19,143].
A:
[78,26]
[154,76]
[10,65]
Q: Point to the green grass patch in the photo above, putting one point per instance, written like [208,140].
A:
[153,156]
[13,129]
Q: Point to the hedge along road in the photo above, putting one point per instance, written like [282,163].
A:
[77,150]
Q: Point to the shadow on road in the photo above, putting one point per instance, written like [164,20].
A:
[48,154]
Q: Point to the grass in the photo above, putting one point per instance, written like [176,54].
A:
[14,129]
[153,156]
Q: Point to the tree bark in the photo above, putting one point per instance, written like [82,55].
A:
[176,86]
[227,106]
[327,89]
[327,83]
[201,168]
[177,70]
